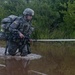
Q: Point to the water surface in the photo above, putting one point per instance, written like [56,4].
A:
[58,58]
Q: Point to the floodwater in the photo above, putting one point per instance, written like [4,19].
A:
[58,58]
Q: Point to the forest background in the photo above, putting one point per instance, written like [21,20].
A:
[53,18]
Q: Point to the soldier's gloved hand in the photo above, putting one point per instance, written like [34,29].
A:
[21,35]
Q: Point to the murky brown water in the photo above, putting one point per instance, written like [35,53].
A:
[58,58]
[14,67]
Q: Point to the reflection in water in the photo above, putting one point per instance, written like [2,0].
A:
[15,67]
[58,58]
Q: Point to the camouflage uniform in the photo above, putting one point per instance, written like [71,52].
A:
[24,26]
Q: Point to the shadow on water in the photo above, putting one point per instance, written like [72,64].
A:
[58,58]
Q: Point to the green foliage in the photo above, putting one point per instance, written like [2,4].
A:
[53,18]
[69,20]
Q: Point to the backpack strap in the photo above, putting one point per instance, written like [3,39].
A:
[12,19]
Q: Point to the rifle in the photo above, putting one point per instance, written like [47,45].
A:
[14,37]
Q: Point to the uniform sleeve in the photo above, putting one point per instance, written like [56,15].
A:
[14,26]
[30,31]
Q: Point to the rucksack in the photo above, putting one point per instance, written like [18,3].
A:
[5,24]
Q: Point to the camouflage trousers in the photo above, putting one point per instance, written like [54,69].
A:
[23,48]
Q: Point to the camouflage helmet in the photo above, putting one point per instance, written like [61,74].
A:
[28,11]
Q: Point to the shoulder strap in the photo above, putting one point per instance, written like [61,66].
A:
[20,22]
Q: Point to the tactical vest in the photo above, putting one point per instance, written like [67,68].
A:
[24,27]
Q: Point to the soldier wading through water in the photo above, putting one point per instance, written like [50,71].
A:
[20,31]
